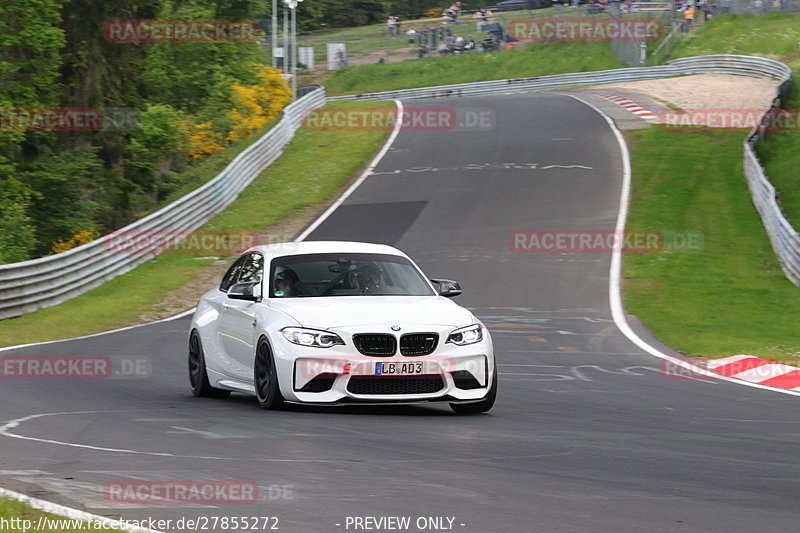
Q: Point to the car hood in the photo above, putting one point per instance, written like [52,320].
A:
[342,311]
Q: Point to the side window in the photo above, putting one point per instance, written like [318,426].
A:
[252,269]
[232,274]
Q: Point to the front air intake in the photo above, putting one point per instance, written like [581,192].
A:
[421,384]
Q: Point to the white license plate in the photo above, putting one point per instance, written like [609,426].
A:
[398,369]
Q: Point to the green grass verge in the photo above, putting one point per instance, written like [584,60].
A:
[313,167]
[533,60]
[775,36]
[17,513]
[729,298]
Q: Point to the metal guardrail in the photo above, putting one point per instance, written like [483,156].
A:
[784,238]
[39,283]
[717,64]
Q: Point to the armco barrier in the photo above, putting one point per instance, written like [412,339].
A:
[784,238]
[50,280]
[714,64]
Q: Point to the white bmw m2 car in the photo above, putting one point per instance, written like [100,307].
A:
[339,323]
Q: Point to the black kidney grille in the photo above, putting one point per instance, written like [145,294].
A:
[418,343]
[421,384]
[375,343]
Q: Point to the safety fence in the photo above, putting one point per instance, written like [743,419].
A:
[783,236]
[50,280]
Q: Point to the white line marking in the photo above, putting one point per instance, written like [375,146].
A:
[398,124]
[197,432]
[4,431]
[566,166]
[615,273]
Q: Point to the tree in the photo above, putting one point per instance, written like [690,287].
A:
[63,183]
[345,13]
[157,147]
[17,233]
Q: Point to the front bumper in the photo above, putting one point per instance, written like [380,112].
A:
[341,375]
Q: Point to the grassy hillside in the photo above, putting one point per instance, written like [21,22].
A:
[532,60]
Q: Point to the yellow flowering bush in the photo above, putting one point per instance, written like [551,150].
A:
[255,105]
[203,140]
[78,238]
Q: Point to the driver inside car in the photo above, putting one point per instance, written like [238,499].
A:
[368,278]
[285,282]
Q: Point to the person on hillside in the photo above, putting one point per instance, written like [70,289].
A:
[482,16]
[688,17]
[454,12]
[480,19]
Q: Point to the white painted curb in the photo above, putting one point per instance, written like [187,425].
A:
[74,514]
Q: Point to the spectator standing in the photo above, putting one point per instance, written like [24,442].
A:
[391,24]
[455,12]
[688,16]
[341,58]
[480,18]
[700,12]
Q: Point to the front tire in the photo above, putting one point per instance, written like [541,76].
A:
[481,406]
[198,376]
[265,378]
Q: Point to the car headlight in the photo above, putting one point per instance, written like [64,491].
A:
[467,335]
[311,337]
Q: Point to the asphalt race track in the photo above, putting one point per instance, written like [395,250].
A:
[588,435]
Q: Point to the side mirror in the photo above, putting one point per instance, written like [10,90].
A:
[447,287]
[245,291]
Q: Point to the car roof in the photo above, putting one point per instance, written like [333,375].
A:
[322,247]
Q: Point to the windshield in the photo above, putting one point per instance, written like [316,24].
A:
[347,274]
